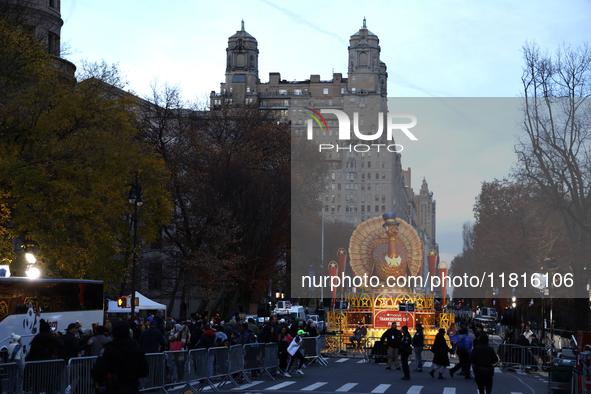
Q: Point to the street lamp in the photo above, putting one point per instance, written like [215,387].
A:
[135,198]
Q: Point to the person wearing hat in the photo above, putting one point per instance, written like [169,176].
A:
[294,352]
[359,333]
[122,363]
[405,351]
[464,347]
[418,341]
[152,340]
[483,359]
[72,345]
[15,355]
[440,354]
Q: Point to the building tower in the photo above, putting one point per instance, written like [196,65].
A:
[242,69]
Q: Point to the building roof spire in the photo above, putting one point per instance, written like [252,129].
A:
[364,25]
[242,24]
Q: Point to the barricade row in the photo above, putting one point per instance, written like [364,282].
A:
[194,369]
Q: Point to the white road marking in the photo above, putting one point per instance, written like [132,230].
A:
[346,387]
[314,386]
[280,385]
[249,385]
[381,388]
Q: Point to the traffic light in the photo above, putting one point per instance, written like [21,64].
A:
[122,302]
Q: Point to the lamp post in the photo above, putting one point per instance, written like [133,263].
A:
[135,198]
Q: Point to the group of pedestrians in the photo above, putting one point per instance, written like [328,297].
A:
[399,342]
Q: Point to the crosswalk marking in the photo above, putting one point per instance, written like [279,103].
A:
[515,393]
[381,388]
[498,370]
[427,364]
[280,385]
[361,362]
[249,385]
[414,390]
[346,387]
[342,360]
[449,390]
[314,386]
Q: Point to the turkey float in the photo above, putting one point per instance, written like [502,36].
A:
[385,247]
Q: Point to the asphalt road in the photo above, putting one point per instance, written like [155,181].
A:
[355,376]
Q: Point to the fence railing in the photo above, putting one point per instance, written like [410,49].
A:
[194,369]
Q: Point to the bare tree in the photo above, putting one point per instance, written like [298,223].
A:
[555,153]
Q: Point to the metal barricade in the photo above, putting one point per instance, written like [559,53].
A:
[510,356]
[79,379]
[311,348]
[10,377]
[253,354]
[271,359]
[236,364]
[44,377]
[176,367]
[156,369]
[532,357]
[198,370]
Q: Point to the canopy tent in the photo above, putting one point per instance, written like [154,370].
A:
[144,303]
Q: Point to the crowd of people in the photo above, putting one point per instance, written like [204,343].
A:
[120,342]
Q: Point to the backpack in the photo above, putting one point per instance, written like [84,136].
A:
[14,352]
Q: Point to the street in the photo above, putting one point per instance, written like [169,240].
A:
[354,375]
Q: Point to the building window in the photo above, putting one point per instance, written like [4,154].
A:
[383,208]
[383,199]
[383,175]
[325,90]
[383,186]
[298,92]
[332,208]
[326,208]
[353,90]
[369,164]
[248,89]
[282,92]
[342,90]
[377,209]
[377,197]
[338,186]
[377,176]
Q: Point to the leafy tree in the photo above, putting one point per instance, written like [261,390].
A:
[70,151]
[230,186]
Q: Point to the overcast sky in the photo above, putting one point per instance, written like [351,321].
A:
[431,48]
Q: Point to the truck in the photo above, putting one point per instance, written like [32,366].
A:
[287,311]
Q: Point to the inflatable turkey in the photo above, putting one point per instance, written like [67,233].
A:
[385,246]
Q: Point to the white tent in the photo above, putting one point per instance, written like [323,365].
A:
[144,303]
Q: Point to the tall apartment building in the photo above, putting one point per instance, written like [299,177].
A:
[361,184]
[426,211]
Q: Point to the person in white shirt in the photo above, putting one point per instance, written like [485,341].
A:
[15,355]
[528,333]
[294,351]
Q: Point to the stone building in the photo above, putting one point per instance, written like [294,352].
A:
[44,19]
[361,184]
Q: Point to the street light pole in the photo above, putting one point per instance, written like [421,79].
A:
[135,198]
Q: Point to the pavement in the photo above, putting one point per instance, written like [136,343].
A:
[358,376]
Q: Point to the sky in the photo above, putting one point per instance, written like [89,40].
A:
[433,49]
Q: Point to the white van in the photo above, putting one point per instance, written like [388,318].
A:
[287,311]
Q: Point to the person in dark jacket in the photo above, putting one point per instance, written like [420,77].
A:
[122,364]
[392,337]
[71,343]
[483,359]
[152,340]
[440,354]
[207,339]
[45,345]
[405,351]
[417,343]
[246,334]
